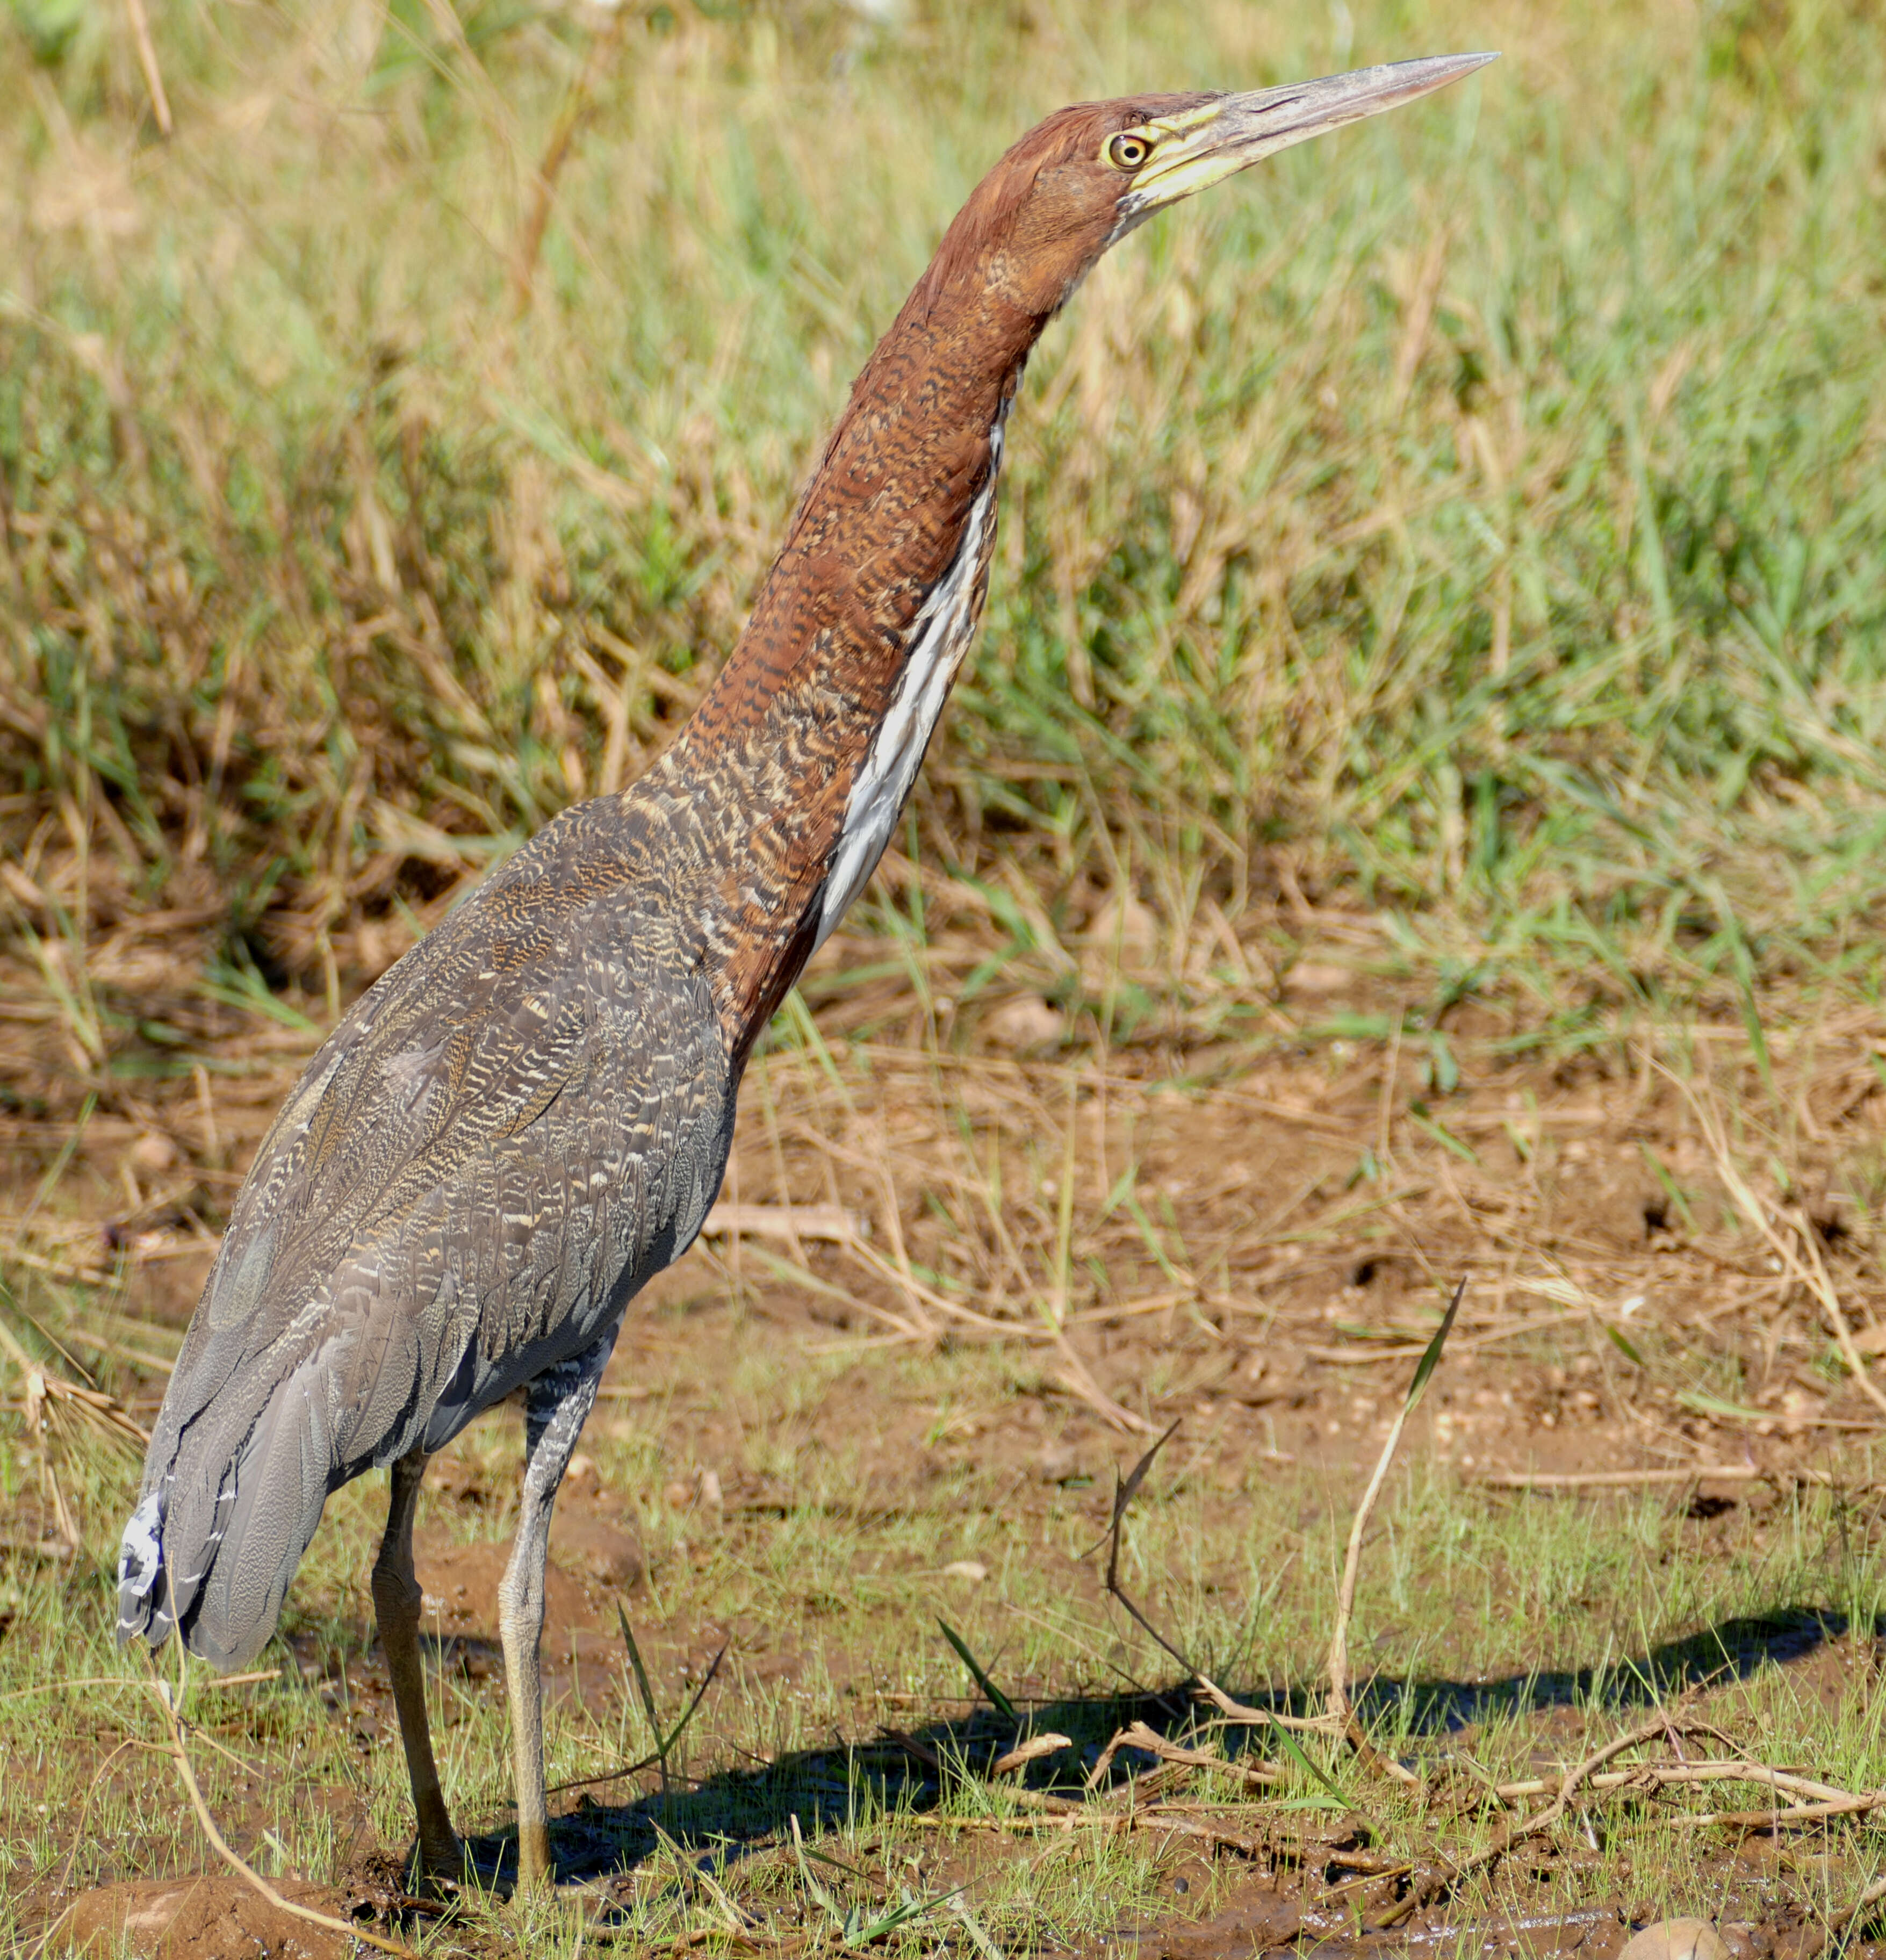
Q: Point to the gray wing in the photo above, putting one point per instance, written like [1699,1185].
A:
[524,1118]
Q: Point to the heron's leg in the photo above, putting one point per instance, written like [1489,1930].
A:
[554,1407]
[396,1600]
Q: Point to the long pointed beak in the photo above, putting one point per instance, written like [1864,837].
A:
[1205,145]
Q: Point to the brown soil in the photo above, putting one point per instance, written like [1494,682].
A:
[201,1918]
[1296,1219]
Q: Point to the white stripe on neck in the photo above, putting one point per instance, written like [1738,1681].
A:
[941,634]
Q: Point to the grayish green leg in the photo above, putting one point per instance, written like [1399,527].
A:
[396,1601]
[555,1405]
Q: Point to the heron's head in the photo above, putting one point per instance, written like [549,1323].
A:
[1089,174]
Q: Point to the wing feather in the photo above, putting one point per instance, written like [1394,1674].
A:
[476,1170]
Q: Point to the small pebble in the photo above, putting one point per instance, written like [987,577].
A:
[1676,1939]
[1028,1022]
[153,1152]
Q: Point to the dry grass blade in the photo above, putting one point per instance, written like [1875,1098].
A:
[226,1681]
[603,42]
[147,61]
[1338,1707]
[1811,1272]
[46,1400]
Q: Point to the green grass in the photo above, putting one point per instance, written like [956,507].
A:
[1473,522]
[1493,1634]
[1478,511]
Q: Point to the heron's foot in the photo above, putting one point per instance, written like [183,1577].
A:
[442,1858]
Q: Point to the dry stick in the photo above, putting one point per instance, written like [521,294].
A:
[220,1844]
[1768,1820]
[1714,1473]
[1676,1775]
[1339,1709]
[1138,1735]
[1619,1480]
[1817,1281]
[147,61]
[1445,1880]
[1246,1715]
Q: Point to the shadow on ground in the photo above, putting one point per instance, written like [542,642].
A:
[736,1810]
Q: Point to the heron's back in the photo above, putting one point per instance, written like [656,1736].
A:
[524,1119]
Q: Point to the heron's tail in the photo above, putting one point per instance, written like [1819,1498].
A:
[230,1502]
[141,1591]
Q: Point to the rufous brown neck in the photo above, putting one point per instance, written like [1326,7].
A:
[846,628]
[800,756]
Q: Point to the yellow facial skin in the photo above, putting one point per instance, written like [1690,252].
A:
[1188,153]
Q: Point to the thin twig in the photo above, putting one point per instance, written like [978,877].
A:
[1675,1775]
[1451,1875]
[1243,1713]
[1372,1759]
[1618,1480]
[1765,1820]
[220,1844]
[1139,1735]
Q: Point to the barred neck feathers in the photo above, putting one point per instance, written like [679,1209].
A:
[798,762]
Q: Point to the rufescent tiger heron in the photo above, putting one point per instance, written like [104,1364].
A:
[528,1114]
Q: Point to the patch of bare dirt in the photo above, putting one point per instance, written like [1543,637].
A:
[200,1918]
[591,1562]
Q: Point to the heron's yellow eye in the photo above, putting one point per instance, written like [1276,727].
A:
[1127,152]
